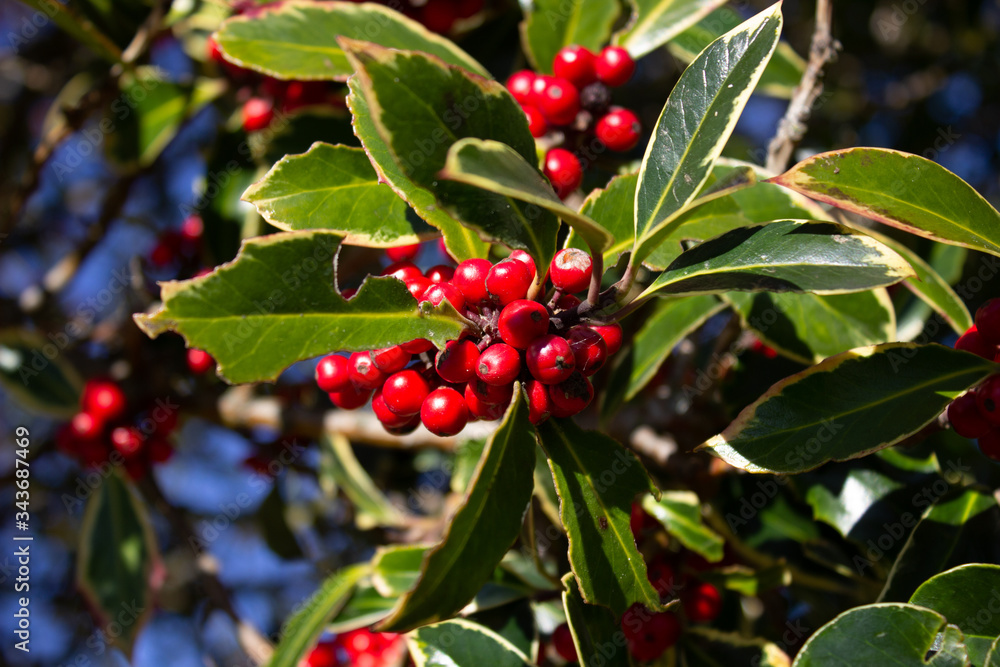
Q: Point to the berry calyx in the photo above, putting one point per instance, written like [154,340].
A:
[619,129]
[457,361]
[575,64]
[103,399]
[612,335]
[588,347]
[614,66]
[499,364]
[404,392]
[403,253]
[702,603]
[571,396]
[559,101]
[550,359]
[647,634]
[444,412]
[508,281]
[258,113]
[333,373]
[563,169]
[520,86]
[965,418]
[562,640]
[571,269]
[523,321]
[470,279]
[363,371]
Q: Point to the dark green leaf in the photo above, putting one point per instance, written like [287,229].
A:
[485,526]
[708,647]
[848,499]
[67,17]
[275,304]
[596,479]
[396,568]
[905,191]
[680,514]
[883,634]
[695,125]
[421,107]
[515,622]
[365,607]
[467,456]
[550,25]
[298,40]
[781,521]
[746,581]
[783,256]
[462,243]
[848,406]
[967,596]
[993,658]
[463,644]
[597,636]
[34,373]
[371,507]
[612,209]
[117,557]
[656,22]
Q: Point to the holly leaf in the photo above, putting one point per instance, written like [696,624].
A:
[461,643]
[848,406]
[695,125]
[656,22]
[596,479]
[298,40]
[549,25]
[680,514]
[960,594]
[901,190]
[396,568]
[276,304]
[421,107]
[371,507]
[593,628]
[39,382]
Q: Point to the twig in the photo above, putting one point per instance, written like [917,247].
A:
[793,126]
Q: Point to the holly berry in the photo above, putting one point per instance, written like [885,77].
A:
[159,450]
[539,401]
[258,113]
[588,347]
[520,86]
[989,444]
[418,286]
[438,292]
[508,281]
[480,410]
[988,321]
[438,15]
[647,634]
[491,394]
[470,279]
[404,392]
[199,361]
[563,170]
[988,399]
[571,396]
[536,121]
[524,256]
[444,412]
[972,341]
[85,426]
[575,64]
[550,359]
[387,417]
[523,321]
[702,602]
[103,399]
[559,101]
[440,273]
[567,302]
[612,335]
[403,253]
[499,364]
[562,640]
[417,346]
[965,418]
[457,361]
[660,574]
[619,129]
[390,359]
[363,371]
[614,66]
[571,269]
[323,654]
[351,397]
[333,373]
[127,440]
[404,270]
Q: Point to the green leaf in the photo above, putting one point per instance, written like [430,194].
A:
[612,209]
[303,629]
[117,557]
[811,327]
[485,526]
[680,514]
[993,658]
[461,643]
[905,191]
[783,256]
[275,304]
[365,607]
[851,498]
[670,321]
[594,629]
[848,406]
[371,507]
[38,380]
[966,596]
[882,634]
[421,107]
[656,22]
[462,243]
[959,527]
[396,568]
[298,40]
[515,622]
[333,188]
[746,581]
[499,169]
[596,479]
[68,18]
[695,125]
[550,25]
[467,456]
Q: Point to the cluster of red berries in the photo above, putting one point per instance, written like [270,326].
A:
[976,414]
[179,244]
[358,648]
[577,102]
[101,432]
[473,377]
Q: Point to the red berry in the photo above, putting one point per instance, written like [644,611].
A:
[559,102]
[562,640]
[403,253]
[524,256]
[127,440]
[387,417]
[404,392]
[457,361]
[214,52]
[614,66]
[159,450]
[619,129]
[612,335]
[988,399]
[103,399]
[300,94]
[520,86]
[965,418]
[162,254]
[417,346]
[363,371]
[444,412]
[404,270]
[438,15]
[661,575]
[702,603]
[350,398]
[639,521]
[192,230]
[568,302]
[85,426]
[407,428]
[571,269]
[648,635]
[972,341]
[91,453]
[439,292]
[550,359]
[467,8]
[508,281]
[417,286]
[571,396]
[470,279]
[523,321]
[333,373]
[563,170]
[588,347]
[323,655]
[257,114]
[390,359]
[199,361]
[538,86]
[575,64]
[539,402]
[440,273]
[480,410]
[499,364]
[536,121]
[491,394]
[989,444]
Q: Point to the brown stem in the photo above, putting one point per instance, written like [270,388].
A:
[596,275]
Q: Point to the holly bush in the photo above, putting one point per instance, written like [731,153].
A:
[561,310]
